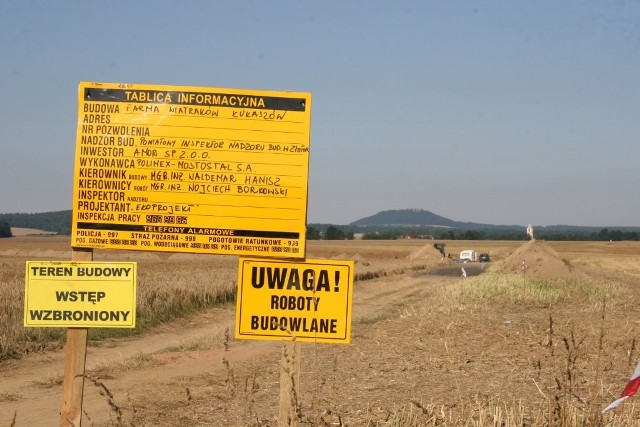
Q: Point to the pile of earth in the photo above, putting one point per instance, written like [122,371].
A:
[540,260]
[427,252]
[356,258]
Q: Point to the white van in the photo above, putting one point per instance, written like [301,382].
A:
[469,254]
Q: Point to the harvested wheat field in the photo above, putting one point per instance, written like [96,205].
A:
[550,345]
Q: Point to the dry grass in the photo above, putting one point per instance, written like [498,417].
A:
[167,288]
[559,369]
[169,285]
[563,344]
[569,378]
[493,350]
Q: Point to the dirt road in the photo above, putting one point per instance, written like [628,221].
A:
[439,348]
[172,361]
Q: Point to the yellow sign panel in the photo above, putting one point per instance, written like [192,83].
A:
[80,294]
[309,300]
[191,169]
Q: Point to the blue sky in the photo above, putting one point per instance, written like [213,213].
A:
[501,112]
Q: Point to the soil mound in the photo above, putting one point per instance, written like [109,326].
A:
[356,258]
[427,252]
[541,261]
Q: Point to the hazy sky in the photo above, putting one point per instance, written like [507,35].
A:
[501,112]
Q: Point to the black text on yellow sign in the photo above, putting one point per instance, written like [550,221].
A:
[191,169]
[306,301]
[80,294]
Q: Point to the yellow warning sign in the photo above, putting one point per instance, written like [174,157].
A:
[80,294]
[309,300]
[191,169]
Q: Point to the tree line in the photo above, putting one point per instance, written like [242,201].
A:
[60,222]
[336,232]
[56,222]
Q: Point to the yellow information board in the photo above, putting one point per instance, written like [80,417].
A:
[80,294]
[280,300]
[191,169]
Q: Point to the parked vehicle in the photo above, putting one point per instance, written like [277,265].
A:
[484,257]
[469,254]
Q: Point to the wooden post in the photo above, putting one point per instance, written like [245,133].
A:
[289,384]
[75,354]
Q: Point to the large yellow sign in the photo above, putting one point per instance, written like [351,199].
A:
[80,294]
[191,169]
[306,301]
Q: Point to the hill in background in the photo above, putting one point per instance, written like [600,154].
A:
[423,223]
[421,218]
[406,217]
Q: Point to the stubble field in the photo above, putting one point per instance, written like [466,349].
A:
[548,346]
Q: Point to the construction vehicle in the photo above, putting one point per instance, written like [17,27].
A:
[440,247]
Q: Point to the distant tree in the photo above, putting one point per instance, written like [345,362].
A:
[447,235]
[604,234]
[334,233]
[472,235]
[5,229]
[617,235]
[313,233]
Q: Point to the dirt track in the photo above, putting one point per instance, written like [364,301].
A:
[419,341]
[34,381]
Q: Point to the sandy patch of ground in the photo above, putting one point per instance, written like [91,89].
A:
[17,231]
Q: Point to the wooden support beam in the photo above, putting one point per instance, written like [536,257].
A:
[75,354]
[289,385]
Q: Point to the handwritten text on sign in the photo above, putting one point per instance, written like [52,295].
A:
[309,300]
[80,294]
[191,169]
